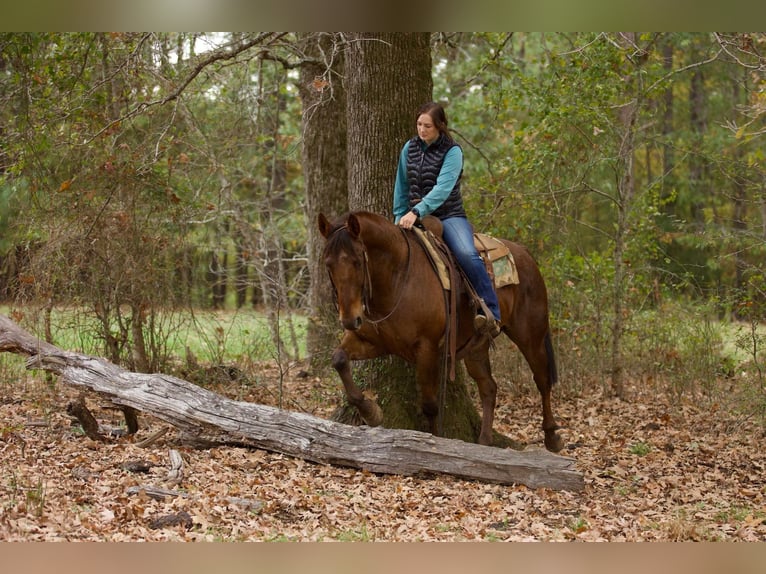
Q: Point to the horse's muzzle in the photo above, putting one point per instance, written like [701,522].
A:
[352,323]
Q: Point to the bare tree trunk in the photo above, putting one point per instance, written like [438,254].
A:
[388,76]
[739,222]
[323,98]
[217,280]
[739,196]
[241,274]
[625,191]
[697,162]
[140,359]
[276,278]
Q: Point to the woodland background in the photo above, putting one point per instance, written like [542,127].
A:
[147,179]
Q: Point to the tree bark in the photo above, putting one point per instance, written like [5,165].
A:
[697,163]
[224,421]
[323,99]
[388,76]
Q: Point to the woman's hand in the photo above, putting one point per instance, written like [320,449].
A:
[408,220]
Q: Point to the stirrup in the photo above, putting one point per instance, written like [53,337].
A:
[485,324]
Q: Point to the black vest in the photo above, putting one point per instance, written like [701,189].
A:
[423,167]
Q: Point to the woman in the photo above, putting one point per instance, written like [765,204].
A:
[428,183]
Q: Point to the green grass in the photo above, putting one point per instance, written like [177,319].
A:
[691,348]
[228,336]
[355,535]
[640,448]
[212,336]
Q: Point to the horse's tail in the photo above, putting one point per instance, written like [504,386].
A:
[553,373]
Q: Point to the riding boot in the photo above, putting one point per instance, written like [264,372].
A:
[485,322]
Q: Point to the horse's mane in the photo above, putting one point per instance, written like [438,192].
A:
[339,238]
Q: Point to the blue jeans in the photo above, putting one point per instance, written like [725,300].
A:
[458,235]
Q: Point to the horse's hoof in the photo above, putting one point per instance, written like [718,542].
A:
[553,441]
[371,413]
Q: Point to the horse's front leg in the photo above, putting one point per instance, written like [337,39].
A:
[352,348]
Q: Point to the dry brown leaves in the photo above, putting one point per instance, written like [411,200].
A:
[654,470]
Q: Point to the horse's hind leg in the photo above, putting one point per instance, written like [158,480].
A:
[541,361]
[427,373]
[480,370]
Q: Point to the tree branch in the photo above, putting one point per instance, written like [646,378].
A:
[220,54]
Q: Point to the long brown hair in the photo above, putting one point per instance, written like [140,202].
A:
[436,111]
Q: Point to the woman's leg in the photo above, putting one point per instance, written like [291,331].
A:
[458,235]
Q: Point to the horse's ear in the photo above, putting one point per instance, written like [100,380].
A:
[353,226]
[324,225]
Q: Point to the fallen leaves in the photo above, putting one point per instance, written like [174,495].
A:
[654,470]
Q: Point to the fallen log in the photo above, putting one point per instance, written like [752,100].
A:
[222,421]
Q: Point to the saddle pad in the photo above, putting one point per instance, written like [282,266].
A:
[501,258]
[505,271]
[426,239]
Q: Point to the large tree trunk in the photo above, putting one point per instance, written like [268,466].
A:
[217,420]
[324,168]
[388,77]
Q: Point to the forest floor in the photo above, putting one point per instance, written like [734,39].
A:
[655,468]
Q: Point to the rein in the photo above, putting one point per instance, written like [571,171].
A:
[367,295]
[367,287]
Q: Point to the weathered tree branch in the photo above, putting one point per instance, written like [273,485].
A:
[88,422]
[224,421]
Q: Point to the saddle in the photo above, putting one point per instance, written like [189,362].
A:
[496,255]
[497,258]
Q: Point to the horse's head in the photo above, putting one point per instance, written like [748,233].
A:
[344,256]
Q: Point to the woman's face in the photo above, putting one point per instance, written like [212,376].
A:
[427,130]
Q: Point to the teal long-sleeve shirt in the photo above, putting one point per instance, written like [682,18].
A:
[451,168]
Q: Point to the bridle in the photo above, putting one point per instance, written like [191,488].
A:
[367,282]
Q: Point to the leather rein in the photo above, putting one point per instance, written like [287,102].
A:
[367,285]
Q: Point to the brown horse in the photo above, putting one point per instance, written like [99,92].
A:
[391,302]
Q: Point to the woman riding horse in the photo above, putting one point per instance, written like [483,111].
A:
[428,183]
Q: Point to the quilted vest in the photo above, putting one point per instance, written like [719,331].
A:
[423,167]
